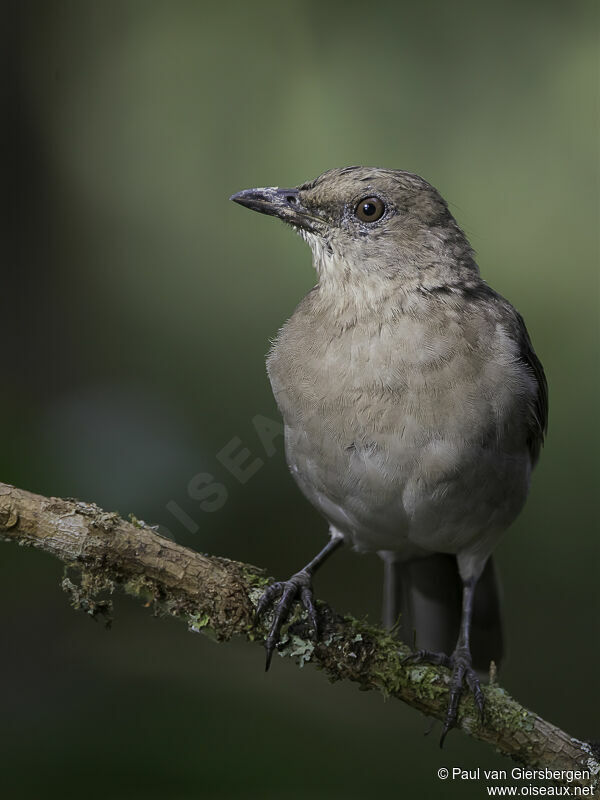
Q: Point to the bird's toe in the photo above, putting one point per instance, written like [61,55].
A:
[286,593]
[462,673]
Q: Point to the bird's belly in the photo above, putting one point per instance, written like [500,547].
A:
[407,492]
[405,437]
[349,485]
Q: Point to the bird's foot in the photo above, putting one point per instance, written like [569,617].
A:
[462,671]
[298,587]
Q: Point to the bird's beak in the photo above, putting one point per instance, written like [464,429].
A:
[282,203]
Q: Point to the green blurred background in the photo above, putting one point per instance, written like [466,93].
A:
[138,304]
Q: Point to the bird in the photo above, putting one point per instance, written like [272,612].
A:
[414,410]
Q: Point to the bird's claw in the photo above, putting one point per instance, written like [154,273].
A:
[298,587]
[462,671]
[428,657]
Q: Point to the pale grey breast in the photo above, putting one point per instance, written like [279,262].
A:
[410,430]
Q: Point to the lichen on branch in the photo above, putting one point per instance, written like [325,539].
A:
[217,597]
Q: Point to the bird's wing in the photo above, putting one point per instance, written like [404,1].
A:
[538,418]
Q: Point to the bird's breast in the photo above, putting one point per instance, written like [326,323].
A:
[389,423]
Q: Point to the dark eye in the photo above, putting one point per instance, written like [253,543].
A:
[370,209]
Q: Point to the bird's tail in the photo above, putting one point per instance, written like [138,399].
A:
[424,597]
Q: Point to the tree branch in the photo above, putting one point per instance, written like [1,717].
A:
[217,597]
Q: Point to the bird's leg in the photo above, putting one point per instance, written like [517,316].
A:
[459,662]
[298,587]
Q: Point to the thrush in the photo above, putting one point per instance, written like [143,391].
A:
[414,408]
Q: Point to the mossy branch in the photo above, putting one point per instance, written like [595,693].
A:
[218,597]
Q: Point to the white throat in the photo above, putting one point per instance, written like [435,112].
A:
[346,288]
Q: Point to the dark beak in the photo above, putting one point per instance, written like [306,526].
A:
[282,203]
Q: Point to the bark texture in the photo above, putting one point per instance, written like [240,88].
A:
[217,597]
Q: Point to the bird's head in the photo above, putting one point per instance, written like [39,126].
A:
[366,219]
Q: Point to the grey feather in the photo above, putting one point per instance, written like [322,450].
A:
[422,601]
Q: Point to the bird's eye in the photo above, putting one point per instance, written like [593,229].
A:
[370,209]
